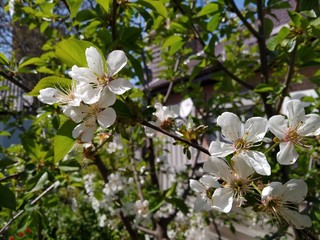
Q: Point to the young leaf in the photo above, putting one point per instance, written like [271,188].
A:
[74,6]
[208,8]
[7,199]
[105,4]
[276,40]
[63,141]
[156,6]
[52,81]
[3,59]
[72,52]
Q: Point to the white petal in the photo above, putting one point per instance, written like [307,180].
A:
[231,126]
[296,219]
[77,114]
[295,191]
[186,107]
[310,126]
[49,95]
[220,149]
[95,61]
[295,112]
[242,168]
[197,186]
[287,154]
[218,167]
[150,133]
[107,117]
[256,160]
[256,129]
[84,131]
[116,61]
[119,86]
[82,74]
[209,181]
[223,199]
[278,126]
[274,189]
[89,94]
[107,98]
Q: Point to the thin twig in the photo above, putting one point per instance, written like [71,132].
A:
[16,175]
[135,174]
[14,81]
[6,226]
[146,230]
[175,137]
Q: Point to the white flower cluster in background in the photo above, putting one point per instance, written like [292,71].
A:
[94,89]
[223,186]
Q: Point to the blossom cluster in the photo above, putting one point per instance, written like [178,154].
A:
[93,91]
[224,185]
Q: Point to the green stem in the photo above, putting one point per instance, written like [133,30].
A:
[272,147]
[256,187]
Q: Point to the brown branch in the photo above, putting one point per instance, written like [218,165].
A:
[146,230]
[101,167]
[16,176]
[128,226]
[14,81]
[175,137]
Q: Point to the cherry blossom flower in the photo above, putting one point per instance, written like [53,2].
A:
[205,188]
[278,200]
[90,115]
[242,138]
[234,182]
[164,118]
[62,96]
[291,132]
[142,207]
[100,74]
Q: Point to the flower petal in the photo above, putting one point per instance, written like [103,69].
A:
[116,61]
[49,95]
[218,167]
[200,204]
[77,114]
[231,126]
[295,191]
[185,107]
[287,154]
[209,181]
[223,199]
[278,126]
[107,117]
[256,129]
[85,130]
[221,149]
[119,86]
[95,61]
[273,189]
[107,98]
[296,219]
[295,112]
[242,168]
[197,186]
[82,74]
[256,160]
[310,126]
[89,94]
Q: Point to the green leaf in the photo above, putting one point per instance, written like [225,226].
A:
[41,182]
[72,52]
[30,61]
[263,87]
[171,190]
[175,42]
[52,81]
[121,109]
[3,59]
[5,133]
[63,141]
[276,40]
[7,199]
[156,6]
[74,6]
[208,8]
[5,161]
[214,22]
[105,4]
[268,27]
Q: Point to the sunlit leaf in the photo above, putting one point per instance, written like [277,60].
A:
[7,199]
[52,81]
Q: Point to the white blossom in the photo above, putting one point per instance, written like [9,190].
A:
[242,138]
[99,75]
[234,182]
[278,200]
[292,131]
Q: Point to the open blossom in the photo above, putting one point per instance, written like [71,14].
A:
[91,116]
[205,188]
[99,75]
[62,96]
[242,138]
[278,200]
[292,131]
[142,207]
[234,182]
[164,118]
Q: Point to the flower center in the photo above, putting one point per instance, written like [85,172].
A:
[292,136]
[272,206]
[104,80]
[167,124]
[241,144]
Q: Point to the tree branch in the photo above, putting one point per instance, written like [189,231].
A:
[14,81]
[175,137]
[16,176]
